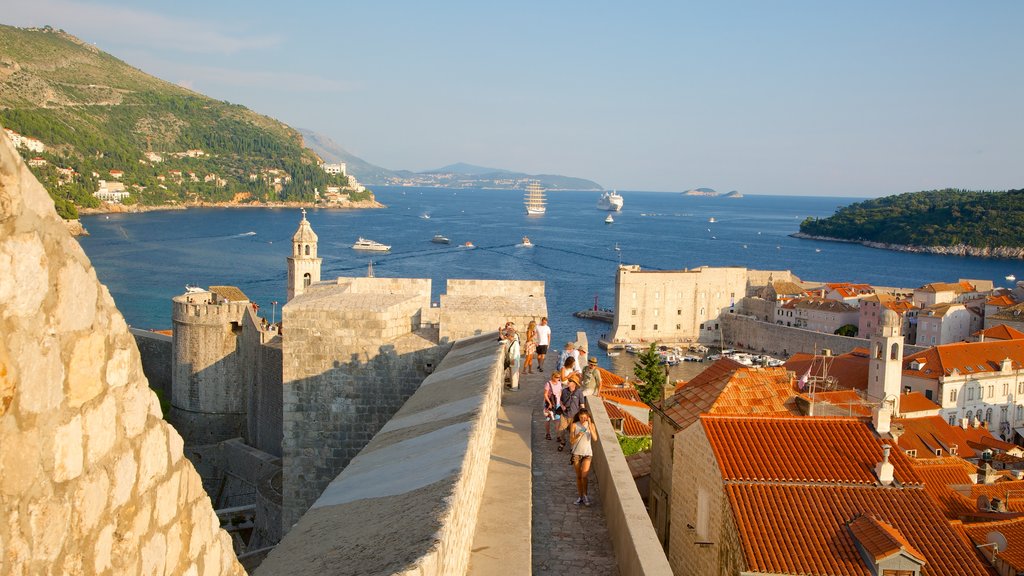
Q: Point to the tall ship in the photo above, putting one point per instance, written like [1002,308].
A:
[611,201]
[535,203]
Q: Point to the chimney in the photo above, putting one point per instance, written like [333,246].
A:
[1018,474]
[965,423]
[884,470]
[981,336]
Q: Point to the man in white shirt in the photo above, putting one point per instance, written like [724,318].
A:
[543,341]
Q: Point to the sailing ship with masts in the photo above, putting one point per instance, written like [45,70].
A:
[535,203]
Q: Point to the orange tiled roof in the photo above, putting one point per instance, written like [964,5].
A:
[1012,530]
[1001,300]
[981,438]
[626,396]
[926,435]
[966,357]
[229,293]
[1013,488]
[610,378]
[800,449]
[848,290]
[839,403]
[850,369]
[881,540]
[728,387]
[799,529]
[957,287]
[916,402]
[631,426]
[937,481]
[1000,332]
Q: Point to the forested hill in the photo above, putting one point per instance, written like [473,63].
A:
[94,114]
[939,218]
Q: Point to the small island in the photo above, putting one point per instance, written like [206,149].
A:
[733,194]
[949,221]
[700,192]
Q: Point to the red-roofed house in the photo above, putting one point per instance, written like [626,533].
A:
[917,405]
[848,371]
[788,496]
[817,314]
[848,292]
[870,312]
[946,323]
[1009,558]
[997,332]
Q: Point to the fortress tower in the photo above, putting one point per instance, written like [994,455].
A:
[885,371]
[303,264]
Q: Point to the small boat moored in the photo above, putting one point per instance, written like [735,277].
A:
[370,245]
[1011,278]
[440,239]
[609,220]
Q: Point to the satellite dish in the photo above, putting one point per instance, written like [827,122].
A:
[983,503]
[996,538]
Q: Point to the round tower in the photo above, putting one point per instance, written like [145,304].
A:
[885,370]
[208,393]
[303,264]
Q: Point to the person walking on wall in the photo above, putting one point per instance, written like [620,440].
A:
[570,352]
[552,404]
[512,358]
[582,434]
[590,381]
[530,348]
[572,403]
[543,341]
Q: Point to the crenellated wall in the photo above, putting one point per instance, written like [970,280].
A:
[473,307]
[92,479]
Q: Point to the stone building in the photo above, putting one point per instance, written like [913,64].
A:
[681,305]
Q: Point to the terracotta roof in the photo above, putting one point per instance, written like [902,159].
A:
[609,378]
[937,481]
[1012,530]
[848,290]
[229,293]
[784,288]
[939,310]
[800,449]
[850,370]
[631,426]
[1000,332]
[916,402]
[957,287]
[1012,313]
[880,540]
[1001,300]
[728,387]
[625,396]
[926,435]
[798,529]
[965,357]
[1014,488]
[822,304]
[838,403]
[639,463]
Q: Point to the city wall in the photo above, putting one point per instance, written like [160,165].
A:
[92,479]
[260,350]
[155,351]
[472,307]
[408,503]
[751,334]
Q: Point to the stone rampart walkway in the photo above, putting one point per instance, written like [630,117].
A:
[567,539]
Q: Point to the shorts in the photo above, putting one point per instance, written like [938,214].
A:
[563,424]
[542,349]
[576,459]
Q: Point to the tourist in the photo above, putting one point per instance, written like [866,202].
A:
[512,357]
[590,381]
[568,368]
[530,348]
[572,402]
[543,341]
[582,434]
[552,404]
[570,352]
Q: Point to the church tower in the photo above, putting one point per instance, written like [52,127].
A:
[885,370]
[303,264]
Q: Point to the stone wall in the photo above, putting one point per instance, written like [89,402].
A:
[473,307]
[260,351]
[155,351]
[751,334]
[408,503]
[92,479]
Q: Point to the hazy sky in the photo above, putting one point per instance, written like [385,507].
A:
[822,98]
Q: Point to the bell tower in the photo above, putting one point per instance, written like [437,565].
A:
[885,370]
[303,264]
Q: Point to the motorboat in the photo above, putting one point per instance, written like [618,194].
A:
[425,216]
[440,239]
[1011,278]
[526,243]
[712,219]
[370,245]
[609,220]
[534,199]
[610,201]
[468,245]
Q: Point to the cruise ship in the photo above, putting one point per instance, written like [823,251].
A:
[610,201]
[364,244]
[535,204]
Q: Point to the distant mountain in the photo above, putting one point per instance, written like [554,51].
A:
[458,175]
[84,117]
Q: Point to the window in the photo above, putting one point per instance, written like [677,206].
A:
[988,415]
[970,393]
[952,420]
[912,453]
[306,280]
[679,326]
[655,326]
[894,354]
[679,312]
[703,516]
[307,249]
[1020,412]
[632,326]
[657,295]
[634,311]
[1002,414]
[1006,388]
[991,391]
[952,396]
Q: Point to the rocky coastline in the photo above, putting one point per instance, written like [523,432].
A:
[1012,252]
[76,228]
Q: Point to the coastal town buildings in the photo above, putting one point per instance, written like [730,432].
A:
[817,314]
[335,168]
[114,192]
[945,323]
[870,312]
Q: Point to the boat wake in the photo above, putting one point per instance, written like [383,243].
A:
[244,234]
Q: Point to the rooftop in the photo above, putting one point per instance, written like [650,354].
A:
[965,358]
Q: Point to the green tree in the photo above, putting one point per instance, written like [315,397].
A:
[649,371]
[631,445]
[847,330]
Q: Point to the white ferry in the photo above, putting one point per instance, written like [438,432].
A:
[611,201]
[370,245]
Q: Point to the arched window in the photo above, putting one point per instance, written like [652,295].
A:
[988,415]
[978,414]
[894,354]
[306,280]
[878,351]
[307,249]
[1020,412]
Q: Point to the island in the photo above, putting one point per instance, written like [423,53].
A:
[700,192]
[733,194]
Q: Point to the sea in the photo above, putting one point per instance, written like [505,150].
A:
[146,259]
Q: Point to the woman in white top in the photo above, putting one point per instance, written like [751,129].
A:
[581,434]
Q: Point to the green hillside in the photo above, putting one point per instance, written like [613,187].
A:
[935,218]
[94,113]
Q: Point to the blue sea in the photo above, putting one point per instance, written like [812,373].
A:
[146,259]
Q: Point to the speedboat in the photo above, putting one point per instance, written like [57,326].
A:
[468,245]
[440,239]
[610,201]
[1011,278]
[425,216]
[608,219]
[526,243]
[712,219]
[370,245]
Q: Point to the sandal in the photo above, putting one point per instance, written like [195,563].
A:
[560,447]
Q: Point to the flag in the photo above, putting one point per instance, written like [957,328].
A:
[804,378]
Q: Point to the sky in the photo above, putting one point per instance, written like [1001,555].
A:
[790,97]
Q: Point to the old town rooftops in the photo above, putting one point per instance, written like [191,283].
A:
[880,540]
[728,387]
[958,287]
[1012,530]
[999,332]
[229,293]
[964,358]
[801,450]
[850,369]
[820,304]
